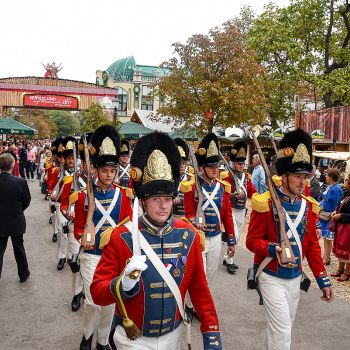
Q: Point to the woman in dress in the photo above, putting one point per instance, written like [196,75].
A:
[341,246]
[329,199]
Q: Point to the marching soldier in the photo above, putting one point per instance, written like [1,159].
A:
[53,169]
[111,207]
[75,182]
[216,206]
[280,283]
[150,293]
[241,189]
[124,165]
[178,208]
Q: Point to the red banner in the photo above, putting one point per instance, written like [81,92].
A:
[51,101]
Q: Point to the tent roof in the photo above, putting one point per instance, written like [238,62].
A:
[132,130]
[11,126]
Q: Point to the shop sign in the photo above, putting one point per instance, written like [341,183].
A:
[50,101]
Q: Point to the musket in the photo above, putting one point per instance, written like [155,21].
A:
[75,175]
[287,257]
[89,229]
[200,217]
[230,170]
[274,145]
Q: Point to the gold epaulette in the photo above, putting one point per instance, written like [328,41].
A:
[308,183]
[128,191]
[315,204]
[249,176]
[226,184]
[68,179]
[260,202]
[186,185]
[223,175]
[277,180]
[199,232]
[191,170]
[106,234]
[73,197]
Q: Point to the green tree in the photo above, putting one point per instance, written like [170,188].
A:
[214,80]
[94,117]
[40,120]
[66,122]
[305,48]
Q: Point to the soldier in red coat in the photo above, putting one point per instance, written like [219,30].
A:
[150,292]
[279,283]
[216,206]
[111,206]
[241,189]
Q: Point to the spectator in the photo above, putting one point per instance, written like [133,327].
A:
[329,199]
[14,199]
[315,185]
[258,176]
[341,246]
[12,151]
[30,162]
[22,160]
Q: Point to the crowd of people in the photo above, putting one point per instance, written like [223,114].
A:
[142,230]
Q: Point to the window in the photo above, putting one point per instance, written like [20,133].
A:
[123,102]
[147,98]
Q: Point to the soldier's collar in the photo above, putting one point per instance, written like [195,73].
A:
[285,198]
[147,224]
[210,183]
[100,190]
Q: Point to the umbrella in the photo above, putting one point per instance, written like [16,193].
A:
[10,126]
[134,131]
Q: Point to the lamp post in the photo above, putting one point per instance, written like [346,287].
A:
[115,110]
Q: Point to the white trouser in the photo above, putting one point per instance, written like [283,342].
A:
[170,341]
[281,299]
[95,316]
[53,217]
[73,248]
[238,221]
[62,239]
[211,257]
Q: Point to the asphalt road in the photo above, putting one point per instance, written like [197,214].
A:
[36,315]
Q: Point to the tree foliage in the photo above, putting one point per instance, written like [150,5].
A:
[305,48]
[67,123]
[215,73]
[94,117]
[40,120]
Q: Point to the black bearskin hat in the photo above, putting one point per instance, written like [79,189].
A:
[207,153]
[57,147]
[155,166]
[295,153]
[105,146]
[183,148]
[81,145]
[238,152]
[124,147]
[68,144]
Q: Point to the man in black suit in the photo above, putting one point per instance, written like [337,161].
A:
[14,199]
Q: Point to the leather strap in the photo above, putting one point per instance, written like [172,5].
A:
[211,201]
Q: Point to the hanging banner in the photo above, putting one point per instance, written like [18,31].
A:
[50,101]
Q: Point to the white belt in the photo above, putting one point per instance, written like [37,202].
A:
[211,201]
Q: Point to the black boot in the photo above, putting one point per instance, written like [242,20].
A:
[54,237]
[50,220]
[61,263]
[102,347]
[231,269]
[86,343]
[76,301]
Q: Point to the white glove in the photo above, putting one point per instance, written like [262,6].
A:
[137,262]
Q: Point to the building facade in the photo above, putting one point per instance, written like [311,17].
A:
[133,84]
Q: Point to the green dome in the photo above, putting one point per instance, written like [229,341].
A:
[123,69]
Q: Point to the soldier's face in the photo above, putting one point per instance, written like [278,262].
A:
[212,172]
[239,166]
[70,161]
[106,174]
[158,209]
[296,183]
[60,160]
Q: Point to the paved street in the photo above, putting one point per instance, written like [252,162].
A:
[36,315]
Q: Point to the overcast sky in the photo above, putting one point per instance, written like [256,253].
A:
[87,35]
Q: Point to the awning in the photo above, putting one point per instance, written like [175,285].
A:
[332,155]
[10,126]
[134,131]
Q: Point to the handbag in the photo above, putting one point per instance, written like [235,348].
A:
[325,215]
